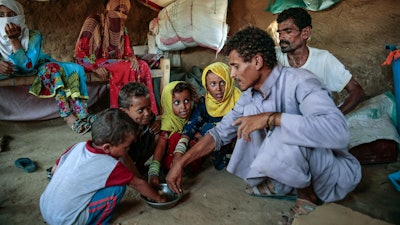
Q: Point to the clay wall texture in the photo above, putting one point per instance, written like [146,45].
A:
[354,31]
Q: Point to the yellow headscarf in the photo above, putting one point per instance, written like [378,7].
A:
[169,121]
[231,94]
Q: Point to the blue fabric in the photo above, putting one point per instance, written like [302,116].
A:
[103,204]
[278,6]
[34,60]
[199,120]
[64,108]
[33,57]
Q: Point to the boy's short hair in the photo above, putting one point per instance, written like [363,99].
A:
[131,90]
[113,126]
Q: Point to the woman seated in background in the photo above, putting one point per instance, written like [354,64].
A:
[21,55]
[219,99]
[104,47]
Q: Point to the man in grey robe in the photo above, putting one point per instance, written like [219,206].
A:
[292,139]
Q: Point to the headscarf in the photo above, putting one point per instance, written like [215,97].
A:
[231,94]
[107,35]
[5,44]
[169,121]
[114,28]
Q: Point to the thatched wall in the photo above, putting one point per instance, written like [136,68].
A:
[355,31]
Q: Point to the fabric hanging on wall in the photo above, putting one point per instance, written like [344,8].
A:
[156,5]
[277,6]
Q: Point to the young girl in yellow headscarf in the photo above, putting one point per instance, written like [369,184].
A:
[177,101]
[219,99]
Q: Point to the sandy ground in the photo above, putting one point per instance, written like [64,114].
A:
[355,31]
[212,197]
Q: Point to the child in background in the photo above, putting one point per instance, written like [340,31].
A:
[177,101]
[220,98]
[134,100]
[89,180]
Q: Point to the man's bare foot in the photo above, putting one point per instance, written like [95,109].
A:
[308,194]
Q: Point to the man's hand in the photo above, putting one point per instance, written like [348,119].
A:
[248,124]
[355,96]
[174,177]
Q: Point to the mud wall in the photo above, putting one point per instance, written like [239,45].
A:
[354,31]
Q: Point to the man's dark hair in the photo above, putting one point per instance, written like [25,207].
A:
[251,41]
[300,17]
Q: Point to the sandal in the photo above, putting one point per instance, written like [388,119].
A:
[302,207]
[267,189]
[220,159]
[81,127]
[26,164]
[90,118]
[48,173]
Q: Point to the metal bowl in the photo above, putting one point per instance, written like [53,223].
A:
[172,198]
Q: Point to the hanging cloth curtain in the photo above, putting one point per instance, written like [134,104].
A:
[277,6]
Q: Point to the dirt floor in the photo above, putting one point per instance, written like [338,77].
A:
[212,197]
[354,31]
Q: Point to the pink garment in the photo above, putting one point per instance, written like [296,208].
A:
[121,74]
